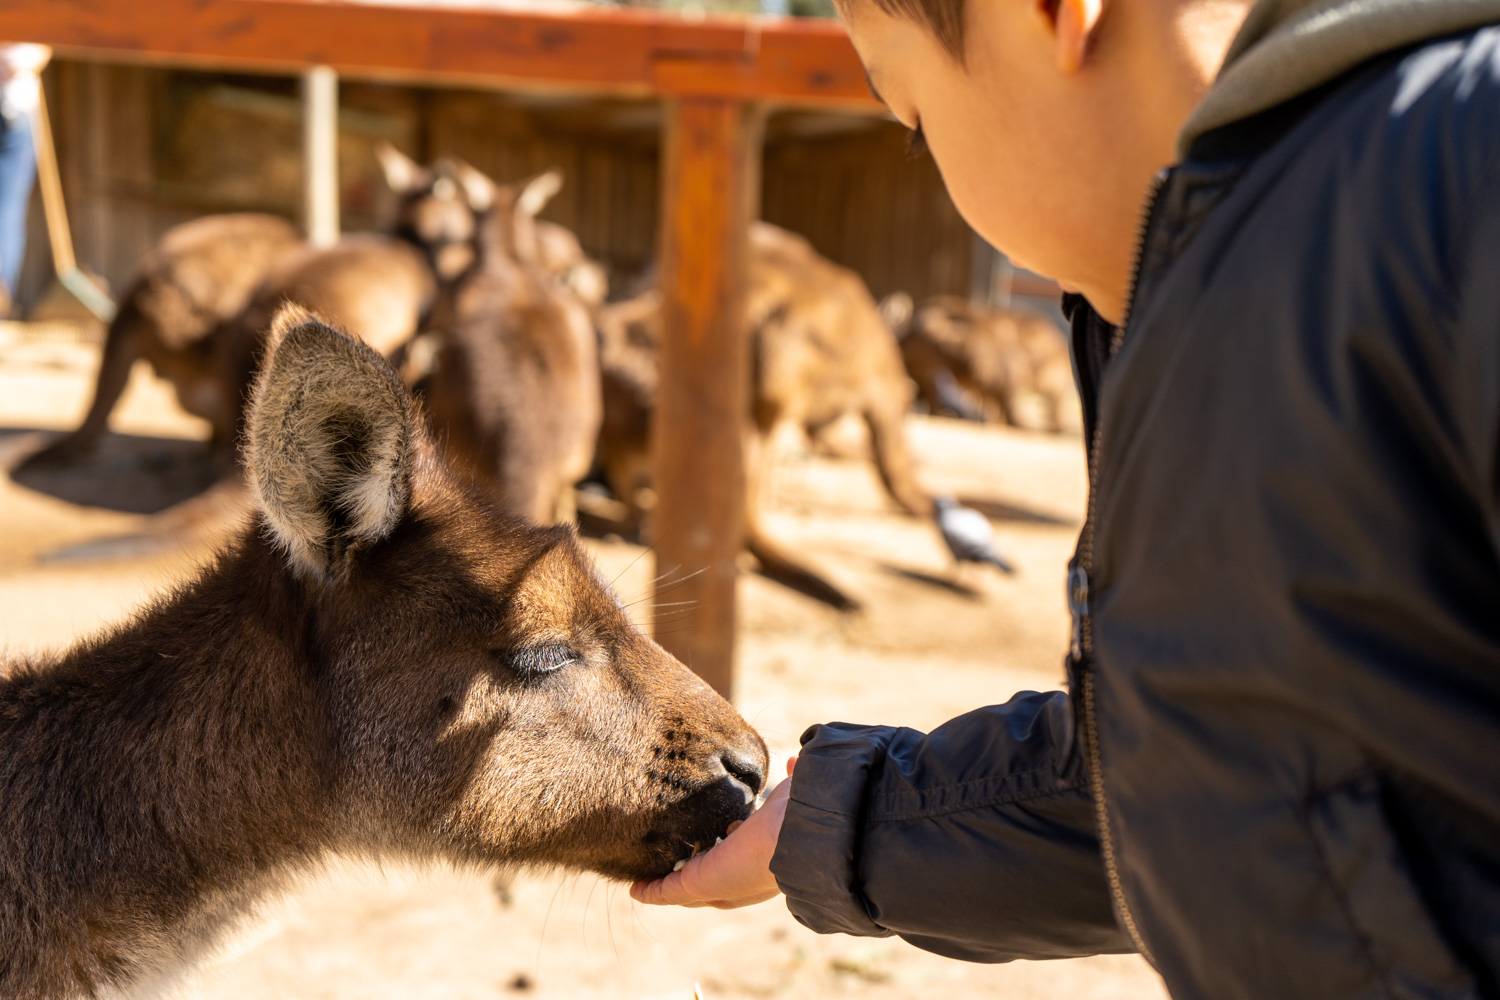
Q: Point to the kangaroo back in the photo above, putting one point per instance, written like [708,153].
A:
[515,393]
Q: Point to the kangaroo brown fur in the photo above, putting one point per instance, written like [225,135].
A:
[375,286]
[201,305]
[200,275]
[998,356]
[514,393]
[561,255]
[381,665]
[629,339]
[819,350]
[379,287]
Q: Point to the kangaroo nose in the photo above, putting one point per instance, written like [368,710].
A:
[746,767]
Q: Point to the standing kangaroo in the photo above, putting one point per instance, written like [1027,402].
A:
[514,389]
[381,666]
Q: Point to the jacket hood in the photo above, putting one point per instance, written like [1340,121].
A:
[1288,47]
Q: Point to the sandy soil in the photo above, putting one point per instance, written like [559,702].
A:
[930,645]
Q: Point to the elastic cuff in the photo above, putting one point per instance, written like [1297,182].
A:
[815,856]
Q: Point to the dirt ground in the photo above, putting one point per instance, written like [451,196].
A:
[930,645]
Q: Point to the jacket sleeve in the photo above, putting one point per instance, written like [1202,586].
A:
[975,841]
[1479,320]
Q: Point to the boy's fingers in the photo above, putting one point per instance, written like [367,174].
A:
[733,873]
[681,888]
[689,886]
[662,892]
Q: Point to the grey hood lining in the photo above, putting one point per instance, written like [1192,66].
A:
[1288,47]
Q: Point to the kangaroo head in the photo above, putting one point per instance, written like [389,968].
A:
[436,210]
[508,224]
[487,700]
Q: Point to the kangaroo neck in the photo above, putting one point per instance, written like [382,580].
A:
[155,780]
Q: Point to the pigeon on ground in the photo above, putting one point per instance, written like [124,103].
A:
[968,534]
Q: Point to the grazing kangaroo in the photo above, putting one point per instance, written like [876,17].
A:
[382,666]
[961,353]
[514,389]
[819,350]
[199,276]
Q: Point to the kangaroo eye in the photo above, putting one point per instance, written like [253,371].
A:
[543,659]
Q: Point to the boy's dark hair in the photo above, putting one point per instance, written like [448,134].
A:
[944,18]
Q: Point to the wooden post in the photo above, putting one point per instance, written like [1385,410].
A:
[710,183]
[320,155]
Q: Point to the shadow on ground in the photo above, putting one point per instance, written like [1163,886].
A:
[933,580]
[126,473]
[1000,510]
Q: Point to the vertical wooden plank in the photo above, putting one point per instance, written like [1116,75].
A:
[94,223]
[320,155]
[133,113]
[710,182]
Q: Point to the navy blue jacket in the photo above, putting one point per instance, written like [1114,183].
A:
[1277,771]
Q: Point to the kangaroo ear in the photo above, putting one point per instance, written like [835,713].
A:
[330,443]
[897,309]
[402,173]
[478,188]
[536,192]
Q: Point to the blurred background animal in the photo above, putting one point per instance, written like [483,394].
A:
[200,276]
[561,255]
[513,389]
[820,350]
[977,362]
[202,301]
[969,536]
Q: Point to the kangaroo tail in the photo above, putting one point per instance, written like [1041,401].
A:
[893,460]
[780,566]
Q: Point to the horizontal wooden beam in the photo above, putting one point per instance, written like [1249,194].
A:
[624,51]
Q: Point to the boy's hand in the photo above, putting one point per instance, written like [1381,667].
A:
[734,873]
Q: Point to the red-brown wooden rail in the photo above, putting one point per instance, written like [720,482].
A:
[714,71]
[605,50]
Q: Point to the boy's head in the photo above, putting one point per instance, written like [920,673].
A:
[1048,118]
[943,19]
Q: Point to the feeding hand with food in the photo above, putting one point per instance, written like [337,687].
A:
[736,871]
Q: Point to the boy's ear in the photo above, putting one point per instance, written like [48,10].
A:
[1073,28]
[330,443]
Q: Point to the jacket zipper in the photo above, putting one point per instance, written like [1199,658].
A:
[1079,581]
